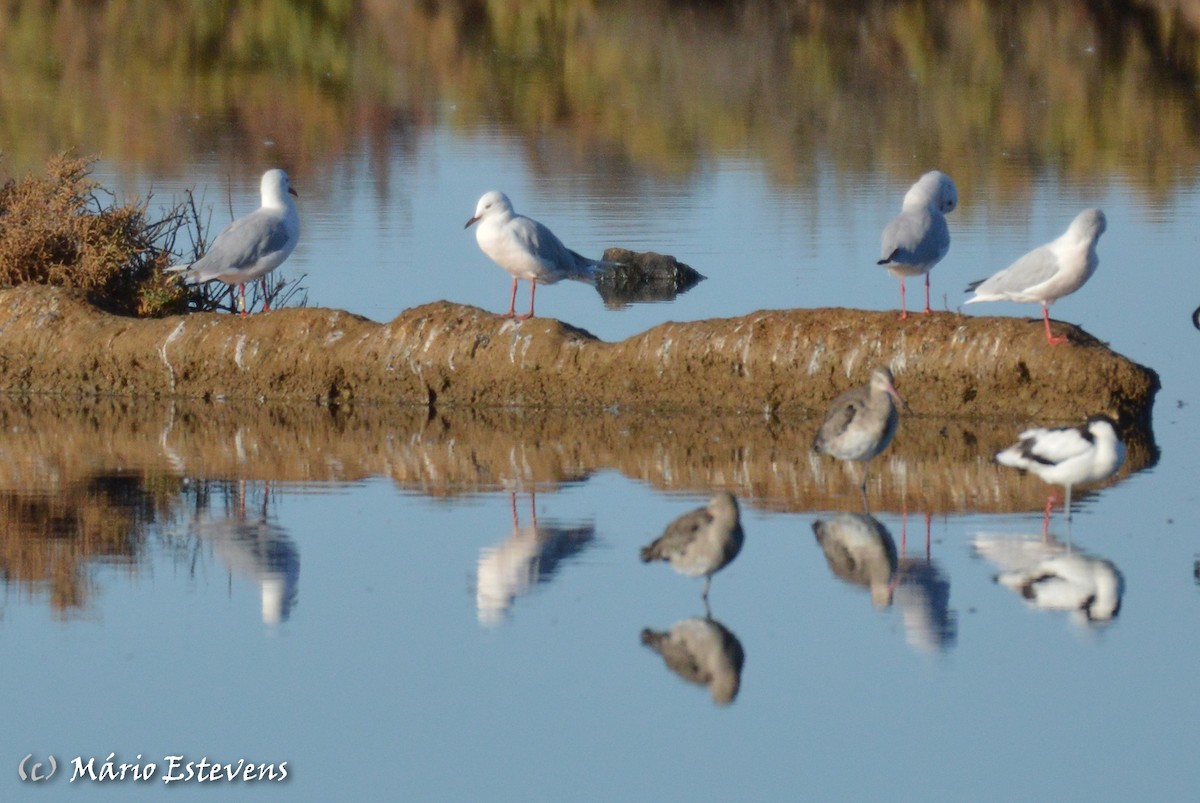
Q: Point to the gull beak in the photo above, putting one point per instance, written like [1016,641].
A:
[293,192]
[469,222]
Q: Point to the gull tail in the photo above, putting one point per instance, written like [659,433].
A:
[888,258]
[186,272]
[589,270]
[973,286]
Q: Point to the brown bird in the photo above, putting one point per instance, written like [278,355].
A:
[861,422]
[701,542]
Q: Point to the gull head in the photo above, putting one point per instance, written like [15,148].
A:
[1089,224]
[934,191]
[276,187]
[491,203]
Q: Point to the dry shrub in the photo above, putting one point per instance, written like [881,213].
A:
[57,230]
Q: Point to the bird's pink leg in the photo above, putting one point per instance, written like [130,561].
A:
[267,301]
[242,299]
[532,290]
[903,307]
[1046,516]
[927,309]
[1054,341]
[512,300]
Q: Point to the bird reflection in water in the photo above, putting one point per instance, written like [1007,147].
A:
[860,551]
[529,556]
[702,651]
[255,548]
[923,595]
[1054,576]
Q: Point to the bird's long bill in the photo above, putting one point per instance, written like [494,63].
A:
[293,192]
[895,395]
[469,222]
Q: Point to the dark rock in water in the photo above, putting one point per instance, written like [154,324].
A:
[644,276]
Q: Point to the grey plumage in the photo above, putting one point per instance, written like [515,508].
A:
[701,542]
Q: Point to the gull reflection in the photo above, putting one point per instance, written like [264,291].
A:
[529,556]
[701,651]
[257,549]
[1054,576]
[860,551]
[923,596]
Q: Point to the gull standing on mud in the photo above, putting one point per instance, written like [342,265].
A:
[526,249]
[861,422]
[1050,272]
[252,246]
[917,239]
[1068,456]
[701,542]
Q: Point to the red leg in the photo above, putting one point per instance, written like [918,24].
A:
[1051,339]
[903,307]
[927,309]
[532,290]
[266,301]
[1046,517]
[512,300]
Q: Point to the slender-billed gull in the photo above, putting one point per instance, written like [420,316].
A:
[701,542]
[1068,456]
[526,249]
[861,422]
[701,651]
[252,246]
[1049,272]
[917,239]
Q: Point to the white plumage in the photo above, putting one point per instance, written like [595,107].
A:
[1050,272]
[525,248]
[1068,456]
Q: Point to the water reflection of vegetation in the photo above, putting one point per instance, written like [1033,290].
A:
[50,538]
[1087,90]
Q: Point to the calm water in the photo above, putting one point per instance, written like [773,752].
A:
[453,608]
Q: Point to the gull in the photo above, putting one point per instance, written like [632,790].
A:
[701,651]
[701,542]
[530,556]
[1051,576]
[526,249]
[917,239]
[252,246]
[1050,272]
[861,422]
[1068,456]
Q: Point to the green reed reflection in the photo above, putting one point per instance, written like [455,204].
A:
[1087,91]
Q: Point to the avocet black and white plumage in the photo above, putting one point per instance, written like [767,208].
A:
[1068,456]
[1052,576]
[701,542]
[1050,272]
[861,422]
[917,238]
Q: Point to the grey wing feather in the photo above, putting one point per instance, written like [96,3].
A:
[1036,267]
[678,534]
[242,244]
[914,238]
[837,419]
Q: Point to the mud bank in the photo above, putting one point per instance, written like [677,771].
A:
[449,355]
